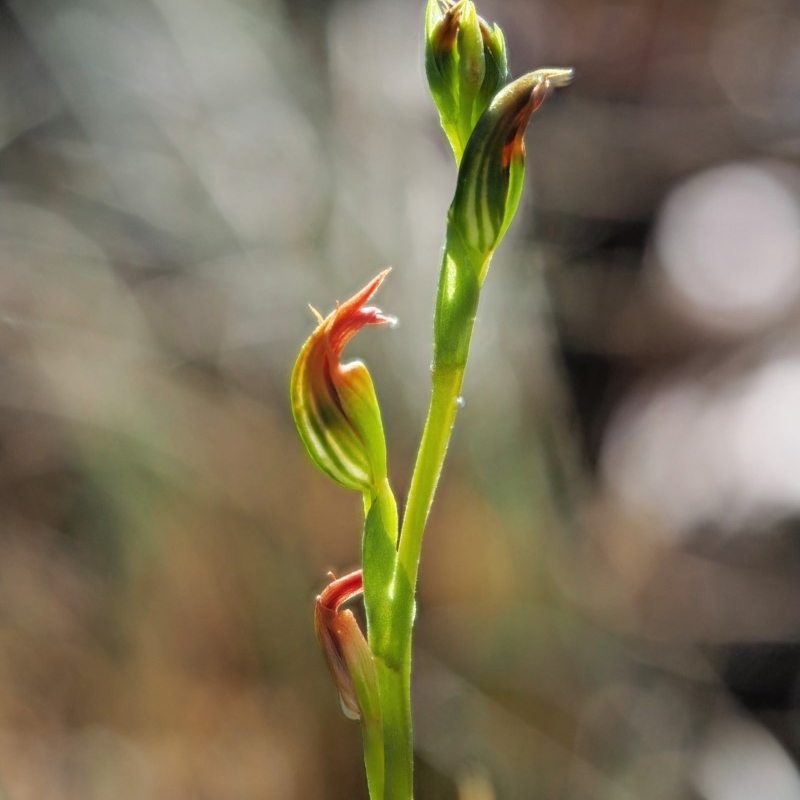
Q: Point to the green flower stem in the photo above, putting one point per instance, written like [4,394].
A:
[444,404]
[456,307]
[394,680]
[394,673]
[372,734]
[395,690]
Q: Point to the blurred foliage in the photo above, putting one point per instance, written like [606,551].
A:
[609,600]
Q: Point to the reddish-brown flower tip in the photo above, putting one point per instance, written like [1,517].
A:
[444,34]
[514,146]
[340,590]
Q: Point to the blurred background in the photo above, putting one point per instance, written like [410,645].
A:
[609,604]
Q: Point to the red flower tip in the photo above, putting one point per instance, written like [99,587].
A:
[340,590]
[352,315]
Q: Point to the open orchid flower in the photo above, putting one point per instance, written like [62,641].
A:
[334,404]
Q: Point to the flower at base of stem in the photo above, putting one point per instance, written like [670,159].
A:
[346,649]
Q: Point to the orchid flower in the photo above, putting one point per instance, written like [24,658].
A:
[346,650]
[334,404]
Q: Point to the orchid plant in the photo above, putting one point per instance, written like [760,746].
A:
[335,404]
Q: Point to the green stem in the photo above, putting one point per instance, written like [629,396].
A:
[394,676]
[395,672]
[395,690]
[430,457]
[372,733]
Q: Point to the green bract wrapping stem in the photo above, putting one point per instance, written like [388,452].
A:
[334,405]
[466,65]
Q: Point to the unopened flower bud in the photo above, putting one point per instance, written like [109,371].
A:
[466,65]
[490,180]
[492,171]
[334,405]
[346,649]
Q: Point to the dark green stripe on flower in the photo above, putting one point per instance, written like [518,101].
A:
[492,171]
[490,181]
